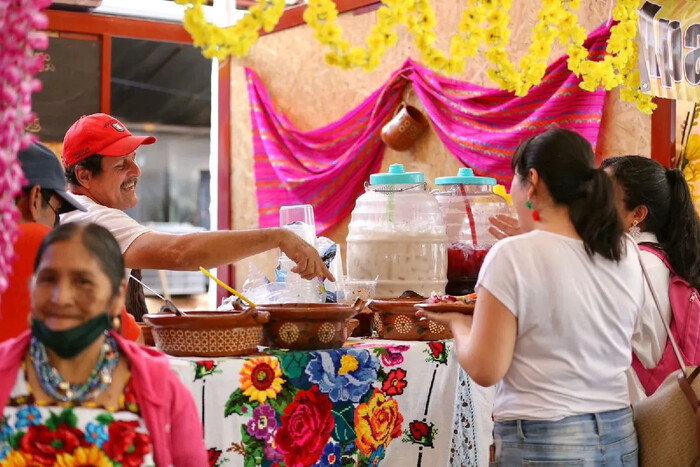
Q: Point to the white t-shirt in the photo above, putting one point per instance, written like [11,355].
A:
[649,340]
[576,316]
[124,228]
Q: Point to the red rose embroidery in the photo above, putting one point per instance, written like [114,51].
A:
[125,445]
[419,430]
[44,444]
[395,382]
[207,364]
[214,455]
[437,348]
[306,426]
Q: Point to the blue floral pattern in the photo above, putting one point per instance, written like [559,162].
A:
[96,433]
[343,374]
[331,456]
[27,416]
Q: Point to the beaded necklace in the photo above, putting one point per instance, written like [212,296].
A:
[55,386]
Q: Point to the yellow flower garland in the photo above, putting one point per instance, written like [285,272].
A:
[235,40]
[482,22]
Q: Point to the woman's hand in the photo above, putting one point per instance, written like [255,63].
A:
[308,262]
[503,226]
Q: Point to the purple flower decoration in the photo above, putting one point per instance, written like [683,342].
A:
[263,423]
[270,450]
[393,355]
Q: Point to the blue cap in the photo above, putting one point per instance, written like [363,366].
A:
[396,176]
[465,176]
[41,167]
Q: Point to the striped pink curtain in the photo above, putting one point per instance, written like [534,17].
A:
[327,167]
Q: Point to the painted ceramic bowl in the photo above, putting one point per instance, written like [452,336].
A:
[395,319]
[307,326]
[208,333]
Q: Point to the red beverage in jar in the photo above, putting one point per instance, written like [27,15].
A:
[463,265]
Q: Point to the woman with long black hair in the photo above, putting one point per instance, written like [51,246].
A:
[656,207]
[555,314]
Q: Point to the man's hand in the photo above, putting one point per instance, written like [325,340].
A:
[308,262]
[503,226]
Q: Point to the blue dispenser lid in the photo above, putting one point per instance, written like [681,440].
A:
[396,176]
[465,176]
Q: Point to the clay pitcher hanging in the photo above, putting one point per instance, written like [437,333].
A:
[404,128]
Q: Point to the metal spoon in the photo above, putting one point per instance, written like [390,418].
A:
[169,306]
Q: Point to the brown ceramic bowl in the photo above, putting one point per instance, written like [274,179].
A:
[147,334]
[395,319]
[307,326]
[208,333]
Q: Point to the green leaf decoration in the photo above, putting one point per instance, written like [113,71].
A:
[347,462]
[344,416]
[104,419]
[53,421]
[235,403]
[245,437]
[14,440]
[294,364]
[68,417]
[379,351]
[283,399]
[254,457]
[382,375]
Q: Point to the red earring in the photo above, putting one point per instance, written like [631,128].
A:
[535,212]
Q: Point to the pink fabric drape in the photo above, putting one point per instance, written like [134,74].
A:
[481,127]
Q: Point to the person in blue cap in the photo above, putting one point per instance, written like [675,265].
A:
[40,202]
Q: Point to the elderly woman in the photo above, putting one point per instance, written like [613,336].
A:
[73,391]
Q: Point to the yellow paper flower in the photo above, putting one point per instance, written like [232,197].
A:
[261,378]
[83,457]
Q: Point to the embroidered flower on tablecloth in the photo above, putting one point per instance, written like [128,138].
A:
[391,355]
[203,368]
[263,423]
[96,433]
[343,374]
[331,456]
[213,455]
[307,423]
[28,416]
[437,352]
[92,456]
[125,444]
[395,382]
[261,378]
[420,432]
[271,452]
[377,423]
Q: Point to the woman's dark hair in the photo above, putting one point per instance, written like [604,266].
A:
[97,240]
[565,162]
[92,163]
[671,214]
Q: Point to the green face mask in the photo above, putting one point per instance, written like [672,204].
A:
[71,342]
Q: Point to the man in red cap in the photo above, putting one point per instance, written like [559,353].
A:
[99,156]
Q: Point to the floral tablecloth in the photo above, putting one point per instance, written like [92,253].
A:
[372,402]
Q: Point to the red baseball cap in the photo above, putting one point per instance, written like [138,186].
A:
[99,134]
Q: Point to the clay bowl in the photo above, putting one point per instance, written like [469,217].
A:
[147,334]
[208,333]
[395,319]
[307,326]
